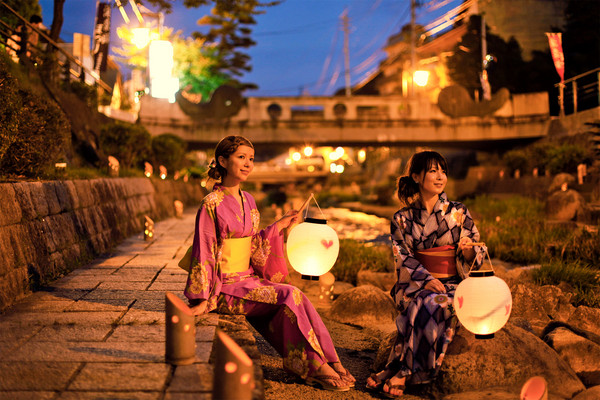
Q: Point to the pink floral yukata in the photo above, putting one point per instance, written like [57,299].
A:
[280,312]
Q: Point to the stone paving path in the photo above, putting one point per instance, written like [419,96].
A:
[99,332]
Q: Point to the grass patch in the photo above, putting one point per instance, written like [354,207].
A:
[355,256]
[584,279]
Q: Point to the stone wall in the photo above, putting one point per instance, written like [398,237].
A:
[50,228]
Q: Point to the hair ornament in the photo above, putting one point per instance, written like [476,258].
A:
[213,164]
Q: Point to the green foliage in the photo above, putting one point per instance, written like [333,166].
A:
[230,31]
[85,92]
[169,150]
[555,158]
[584,279]
[194,65]
[34,132]
[355,256]
[25,8]
[566,158]
[129,143]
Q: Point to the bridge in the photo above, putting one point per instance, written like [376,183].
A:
[356,121]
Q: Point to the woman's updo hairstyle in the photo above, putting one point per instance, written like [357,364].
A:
[226,147]
[408,190]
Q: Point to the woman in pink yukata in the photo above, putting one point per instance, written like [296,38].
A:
[238,269]
[434,241]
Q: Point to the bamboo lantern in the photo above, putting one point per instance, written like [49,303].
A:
[163,171]
[326,282]
[148,170]
[312,248]
[483,303]
[234,371]
[536,388]
[148,228]
[180,348]
[113,166]
[178,205]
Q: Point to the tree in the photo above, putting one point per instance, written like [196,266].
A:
[506,68]
[230,22]
[25,8]
[581,39]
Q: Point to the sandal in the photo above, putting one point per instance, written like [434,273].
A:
[399,386]
[344,374]
[325,382]
[378,384]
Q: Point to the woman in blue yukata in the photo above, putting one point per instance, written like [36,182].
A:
[237,268]
[433,245]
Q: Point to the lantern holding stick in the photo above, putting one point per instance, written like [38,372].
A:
[483,302]
[312,246]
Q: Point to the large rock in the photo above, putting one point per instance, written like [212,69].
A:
[539,305]
[586,318]
[559,180]
[508,360]
[382,280]
[496,365]
[566,205]
[592,393]
[364,305]
[581,354]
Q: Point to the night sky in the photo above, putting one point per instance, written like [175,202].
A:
[299,42]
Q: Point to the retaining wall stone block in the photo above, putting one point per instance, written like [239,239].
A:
[72,192]
[51,197]
[24,201]
[10,212]
[63,196]
[84,193]
[13,286]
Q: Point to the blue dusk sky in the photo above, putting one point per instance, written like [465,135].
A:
[300,43]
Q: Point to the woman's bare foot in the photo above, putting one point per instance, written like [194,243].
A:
[326,378]
[375,381]
[343,373]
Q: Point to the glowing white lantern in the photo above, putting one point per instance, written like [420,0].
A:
[312,248]
[483,303]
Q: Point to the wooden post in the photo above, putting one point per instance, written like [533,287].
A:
[234,371]
[180,348]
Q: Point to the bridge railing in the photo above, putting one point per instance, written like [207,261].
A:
[579,93]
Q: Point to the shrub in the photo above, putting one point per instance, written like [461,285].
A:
[33,131]
[129,143]
[88,94]
[516,160]
[355,256]
[566,158]
[169,150]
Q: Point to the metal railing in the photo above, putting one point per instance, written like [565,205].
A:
[23,48]
[579,93]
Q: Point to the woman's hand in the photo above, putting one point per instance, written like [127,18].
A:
[466,247]
[436,286]
[287,220]
[200,308]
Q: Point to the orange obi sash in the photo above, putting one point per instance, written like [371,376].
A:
[439,261]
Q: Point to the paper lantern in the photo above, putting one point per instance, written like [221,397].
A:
[312,248]
[535,388]
[148,228]
[483,303]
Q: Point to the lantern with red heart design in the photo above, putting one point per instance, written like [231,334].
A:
[312,248]
[483,303]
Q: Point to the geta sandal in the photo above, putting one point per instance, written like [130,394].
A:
[378,383]
[325,382]
[399,386]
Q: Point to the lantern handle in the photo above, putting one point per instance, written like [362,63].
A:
[305,206]
[482,244]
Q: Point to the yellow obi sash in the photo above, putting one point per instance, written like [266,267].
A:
[235,254]
[439,261]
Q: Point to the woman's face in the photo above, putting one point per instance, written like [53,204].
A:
[239,164]
[431,182]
